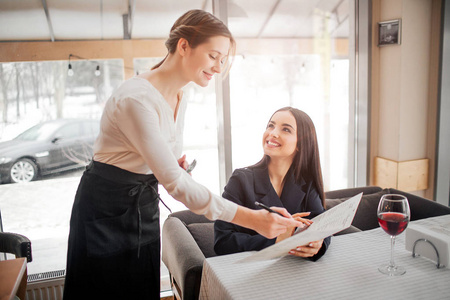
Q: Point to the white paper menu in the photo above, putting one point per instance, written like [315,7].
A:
[328,223]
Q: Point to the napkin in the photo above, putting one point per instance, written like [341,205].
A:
[438,235]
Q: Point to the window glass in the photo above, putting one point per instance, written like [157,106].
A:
[91,128]
[39,132]
[69,131]
[34,95]
[300,59]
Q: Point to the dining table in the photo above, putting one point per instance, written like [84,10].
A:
[348,270]
[13,278]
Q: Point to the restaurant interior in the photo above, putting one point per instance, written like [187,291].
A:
[373,75]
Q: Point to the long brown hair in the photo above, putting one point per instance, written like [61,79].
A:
[306,162]
[197,26]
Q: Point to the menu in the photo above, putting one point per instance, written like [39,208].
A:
[328,223]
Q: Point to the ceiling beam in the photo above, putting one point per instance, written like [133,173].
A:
[272,11]
[101,19]
[204,4]
[128,20]
[131,8]
[126,24]
[49,22]
[340,20]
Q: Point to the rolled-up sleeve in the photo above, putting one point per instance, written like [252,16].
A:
[140,125]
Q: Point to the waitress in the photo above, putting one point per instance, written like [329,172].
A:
[114,240]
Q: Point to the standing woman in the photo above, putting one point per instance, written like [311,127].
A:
[288,176]
[114,240]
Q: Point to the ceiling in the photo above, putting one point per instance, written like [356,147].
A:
[63,20]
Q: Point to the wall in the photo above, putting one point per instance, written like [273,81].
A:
[404,90]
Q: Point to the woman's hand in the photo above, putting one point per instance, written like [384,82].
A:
[290,231]
[307,250]
[265,223]
[183,163]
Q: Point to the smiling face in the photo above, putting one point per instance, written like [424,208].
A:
[206,59]
[280,137]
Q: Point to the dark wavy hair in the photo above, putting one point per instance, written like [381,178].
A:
[197,26]
[306,162]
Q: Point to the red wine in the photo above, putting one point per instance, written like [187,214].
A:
[393,223]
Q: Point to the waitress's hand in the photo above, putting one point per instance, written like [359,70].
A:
[307,250]
[290,231]
[265,223]
[183,163]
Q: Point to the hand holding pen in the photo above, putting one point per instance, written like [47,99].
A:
[297,216]
[263,206]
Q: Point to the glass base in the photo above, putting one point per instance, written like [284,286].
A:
[392,270]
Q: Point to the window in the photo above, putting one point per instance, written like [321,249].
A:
[56,118]
[300,59]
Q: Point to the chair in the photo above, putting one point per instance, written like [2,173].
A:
[16,244]
[422,208]
[366,215]
[187,239]
[350,192]
[20,246]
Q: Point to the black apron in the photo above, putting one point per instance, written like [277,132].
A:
[114,239]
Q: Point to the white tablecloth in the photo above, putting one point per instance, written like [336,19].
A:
[349,270]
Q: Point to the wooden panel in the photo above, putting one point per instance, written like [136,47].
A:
[42,51]
[413,175]
[386,173]
[407,176]
[433,94]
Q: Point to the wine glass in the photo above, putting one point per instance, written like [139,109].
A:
[393,216]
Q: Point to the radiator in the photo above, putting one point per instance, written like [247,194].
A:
[45,286]
[50,286]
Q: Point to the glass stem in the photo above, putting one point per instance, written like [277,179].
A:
[392,264]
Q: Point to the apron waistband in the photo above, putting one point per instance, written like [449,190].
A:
[119,175]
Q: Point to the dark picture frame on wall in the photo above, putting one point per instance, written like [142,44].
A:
[389,32]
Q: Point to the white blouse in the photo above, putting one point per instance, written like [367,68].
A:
[138,133]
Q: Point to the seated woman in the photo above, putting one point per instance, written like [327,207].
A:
[289,176]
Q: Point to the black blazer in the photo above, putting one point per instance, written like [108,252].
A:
[252,184]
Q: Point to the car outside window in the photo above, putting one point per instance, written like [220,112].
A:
[39,132]
[69,131]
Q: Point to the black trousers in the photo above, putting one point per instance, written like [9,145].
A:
[114,239]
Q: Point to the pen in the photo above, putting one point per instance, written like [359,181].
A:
[267,208]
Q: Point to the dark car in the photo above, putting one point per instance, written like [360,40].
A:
[46,148]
